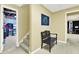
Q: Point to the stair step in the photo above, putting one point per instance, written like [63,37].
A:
[25,47]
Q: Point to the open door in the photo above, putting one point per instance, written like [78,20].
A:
[9,27]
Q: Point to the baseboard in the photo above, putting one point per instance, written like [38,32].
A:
[1,50]
[20,41]
[25,35]
[61,41]
[35,50]
[23,38]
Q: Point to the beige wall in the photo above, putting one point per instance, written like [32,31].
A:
[36,28]
[23,19]
[58,23]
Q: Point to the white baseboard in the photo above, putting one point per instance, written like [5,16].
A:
[61,41]
[35,50]
[23,38]
[20,41]
[26,35]
[1,50]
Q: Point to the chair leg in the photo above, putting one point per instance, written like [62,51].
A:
[50,48]
[41,45]
[56,41]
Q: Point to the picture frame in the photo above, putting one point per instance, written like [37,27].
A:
[44,20]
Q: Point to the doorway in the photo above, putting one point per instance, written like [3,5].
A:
[9,28]
[72,26]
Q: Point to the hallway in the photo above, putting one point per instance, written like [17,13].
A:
[10,42]
[18,50]
[10,46]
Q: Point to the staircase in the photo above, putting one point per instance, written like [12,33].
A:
[25,44]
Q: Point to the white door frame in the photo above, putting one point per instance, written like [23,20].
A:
[66,23]
[17,41]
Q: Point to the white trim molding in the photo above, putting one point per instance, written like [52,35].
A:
[35,50]
[23,38]
[61,41]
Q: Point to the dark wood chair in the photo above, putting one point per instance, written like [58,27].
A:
[47,39]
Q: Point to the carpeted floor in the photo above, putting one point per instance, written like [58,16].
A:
[61,48]
[10,46]
[10,42]
[18,50]
[71,47]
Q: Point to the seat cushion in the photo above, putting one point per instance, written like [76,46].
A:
[53,39]
[49,40]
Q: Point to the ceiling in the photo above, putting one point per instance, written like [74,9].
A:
[55,7]
[58,7]
[19,5]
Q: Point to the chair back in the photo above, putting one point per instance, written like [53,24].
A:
[47,33]
[43,35]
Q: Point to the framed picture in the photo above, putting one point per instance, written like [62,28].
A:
[44,20]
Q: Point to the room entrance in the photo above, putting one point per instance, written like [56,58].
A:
[9,28]
[72,27]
